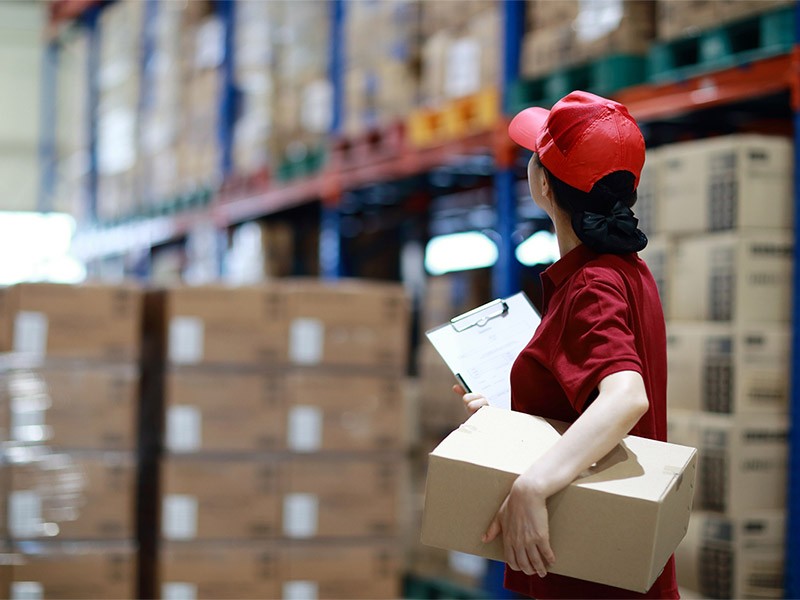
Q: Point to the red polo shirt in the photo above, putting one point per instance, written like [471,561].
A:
[601,315]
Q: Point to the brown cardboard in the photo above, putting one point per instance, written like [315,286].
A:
[209,325]
[733,277]
[332,497]
[328,411]
[91,322]
[78,496]
[720,368]
[733,182]
[616,525]
[742,462]
[725,557]
[89,570]
[335,569]
[213,570]
[219,498]
[86,407]
[347,323]
[223,411]
[659,254]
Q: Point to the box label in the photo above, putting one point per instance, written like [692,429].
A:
[30,333]
[300,590]
[305,429]
[180,517]
[184,428]
[306,341]
[25,513]
[463,76]
[186,340]
[178,590]
[27,590]
[300,515]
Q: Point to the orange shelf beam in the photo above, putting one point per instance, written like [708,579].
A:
[748,81]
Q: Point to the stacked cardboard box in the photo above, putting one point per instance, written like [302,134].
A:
[202,38]
[72,400]
[284,436]
[568,32]
[460,50]
[721,221]
[382,47]
[677,18]
[72,160]
[257,32]
[118,109]
[303,108]
[161,108]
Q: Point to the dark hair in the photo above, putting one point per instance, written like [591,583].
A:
[602,218]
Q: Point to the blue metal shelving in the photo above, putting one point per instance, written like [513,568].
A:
[505,280]
[331,264]
[48,138]
[91,21]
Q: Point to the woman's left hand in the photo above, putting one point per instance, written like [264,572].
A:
[522,519]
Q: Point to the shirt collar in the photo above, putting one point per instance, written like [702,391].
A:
[557,273]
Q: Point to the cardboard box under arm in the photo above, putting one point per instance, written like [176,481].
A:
[617,524]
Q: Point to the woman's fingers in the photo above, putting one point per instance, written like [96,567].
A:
[472,406]
[458,389]
[535,558]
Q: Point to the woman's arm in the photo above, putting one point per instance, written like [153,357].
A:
[522,518]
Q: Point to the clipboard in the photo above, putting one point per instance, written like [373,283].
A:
[481,345]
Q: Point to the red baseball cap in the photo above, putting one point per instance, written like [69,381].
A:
[582,139]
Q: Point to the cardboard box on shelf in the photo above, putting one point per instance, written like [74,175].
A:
[720,368]
[77,496]
[332,497]
[647,203]
[545,50]
[677,18]
[328,411]
[209,325]
[211,570]
[85,407]
[334,569]
[712,184]
[659,254]
[742,462]
[617,525]
[440,410]
[219,498]
[87,322]
[740,278]
[733,557]
[74,570]
[213,411]
[348,324]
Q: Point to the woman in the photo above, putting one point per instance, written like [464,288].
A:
[598,358]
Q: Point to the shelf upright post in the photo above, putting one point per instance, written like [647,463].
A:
[48,137]
[505,277]
[331,265]
[792,561]
[91,20]
[228,109]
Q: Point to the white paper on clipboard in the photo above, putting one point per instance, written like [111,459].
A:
[480,346]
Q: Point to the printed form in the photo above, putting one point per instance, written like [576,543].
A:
[480,346]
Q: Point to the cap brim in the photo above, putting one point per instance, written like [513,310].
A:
[525,128]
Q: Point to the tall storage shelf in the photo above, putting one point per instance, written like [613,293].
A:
[237,201]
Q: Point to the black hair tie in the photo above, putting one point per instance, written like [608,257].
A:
[614,233]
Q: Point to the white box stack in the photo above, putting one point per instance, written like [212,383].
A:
[722,253]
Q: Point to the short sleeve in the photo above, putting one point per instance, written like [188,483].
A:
[597,342]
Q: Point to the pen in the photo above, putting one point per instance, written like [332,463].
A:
[463,383]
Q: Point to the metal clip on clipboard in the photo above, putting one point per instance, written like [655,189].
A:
[477,318]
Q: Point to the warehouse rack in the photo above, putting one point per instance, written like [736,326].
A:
[242,200]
